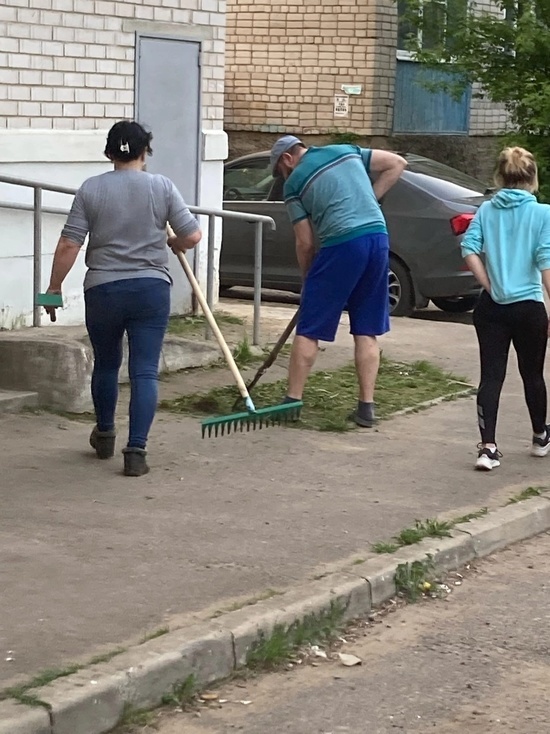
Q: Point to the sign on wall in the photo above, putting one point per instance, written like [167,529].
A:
[341,105]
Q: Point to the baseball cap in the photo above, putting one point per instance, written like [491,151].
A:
[283,145]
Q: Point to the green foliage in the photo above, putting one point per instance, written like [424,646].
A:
[341,138]
[506,52]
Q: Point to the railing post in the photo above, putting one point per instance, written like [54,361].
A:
[258,241]
[37,256]
[210,268]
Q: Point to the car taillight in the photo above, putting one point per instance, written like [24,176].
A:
[460,223]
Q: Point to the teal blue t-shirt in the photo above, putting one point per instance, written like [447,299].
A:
[332,187]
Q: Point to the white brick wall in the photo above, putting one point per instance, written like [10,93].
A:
[69,64]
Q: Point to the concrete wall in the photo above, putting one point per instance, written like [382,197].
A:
[474,155]
[66,74]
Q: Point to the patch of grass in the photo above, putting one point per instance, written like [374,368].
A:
[430,528]
[153,635]
[132,717]
[526,494]
[195,325]
[108,656]
[50,675]
[268,594]
[358,561]
[182,694]
[39,680]
[243,354]
[268,652]
[411,577]
[471,516]
[29,699]
[385,547]
[330,395]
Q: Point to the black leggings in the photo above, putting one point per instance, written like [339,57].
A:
[525,325]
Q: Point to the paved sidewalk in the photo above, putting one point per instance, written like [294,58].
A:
[90,560]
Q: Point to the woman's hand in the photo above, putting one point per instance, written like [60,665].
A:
[172,243]
[51,310]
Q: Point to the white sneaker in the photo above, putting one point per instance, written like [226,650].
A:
[487,459]
[541,446]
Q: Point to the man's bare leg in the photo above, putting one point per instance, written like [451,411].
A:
[367,363]
[302,359]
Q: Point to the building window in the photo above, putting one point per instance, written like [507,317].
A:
[439,17]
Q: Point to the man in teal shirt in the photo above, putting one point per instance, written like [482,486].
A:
[328,191]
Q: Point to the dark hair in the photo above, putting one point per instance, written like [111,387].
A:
[127,141]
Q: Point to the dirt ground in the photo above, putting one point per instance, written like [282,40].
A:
[477,661]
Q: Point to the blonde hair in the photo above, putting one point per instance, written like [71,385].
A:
[517,169]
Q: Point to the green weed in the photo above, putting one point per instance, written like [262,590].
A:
[268,652]
[156,633]
[268,594]
[430,528]
[411,577]
[526,494]
[471,516]
[182,694]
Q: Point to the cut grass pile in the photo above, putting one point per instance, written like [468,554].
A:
[331,395]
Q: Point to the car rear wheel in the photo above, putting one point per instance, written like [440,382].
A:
[460,304]
[401,289]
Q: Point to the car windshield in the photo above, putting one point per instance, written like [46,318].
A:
[443,181]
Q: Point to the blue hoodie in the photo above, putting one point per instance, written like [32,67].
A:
[512,231]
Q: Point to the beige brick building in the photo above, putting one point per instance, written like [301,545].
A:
[287,61]
[290,61]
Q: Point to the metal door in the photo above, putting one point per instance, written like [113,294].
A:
[168,103]
[420,107]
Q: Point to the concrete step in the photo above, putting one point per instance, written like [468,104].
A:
[13,401]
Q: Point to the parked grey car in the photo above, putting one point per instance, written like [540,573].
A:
[427,212]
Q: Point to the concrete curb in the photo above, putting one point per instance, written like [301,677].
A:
[466,393]
[93,700]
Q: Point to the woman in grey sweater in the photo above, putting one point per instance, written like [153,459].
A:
[127,284]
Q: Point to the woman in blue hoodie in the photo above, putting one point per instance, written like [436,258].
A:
[512,232]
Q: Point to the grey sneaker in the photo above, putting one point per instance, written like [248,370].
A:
[135,462]
[103,442]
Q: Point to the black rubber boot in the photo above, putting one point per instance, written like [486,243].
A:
[135,462]
[103,442]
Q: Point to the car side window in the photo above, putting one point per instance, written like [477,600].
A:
[249,181]
[276,193]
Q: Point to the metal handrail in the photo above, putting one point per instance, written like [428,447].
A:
[38,209]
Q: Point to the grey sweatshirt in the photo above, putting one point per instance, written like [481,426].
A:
[125,213]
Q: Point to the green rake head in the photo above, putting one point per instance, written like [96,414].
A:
[258,419]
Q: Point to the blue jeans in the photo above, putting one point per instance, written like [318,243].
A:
[140,307]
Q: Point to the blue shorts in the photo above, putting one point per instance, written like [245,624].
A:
[352,275]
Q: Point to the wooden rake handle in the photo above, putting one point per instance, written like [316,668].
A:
[213,325]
